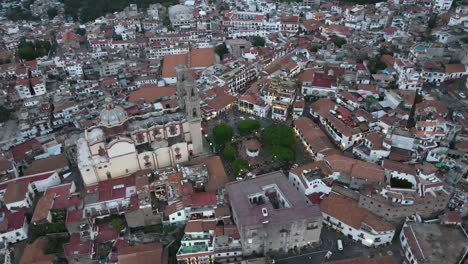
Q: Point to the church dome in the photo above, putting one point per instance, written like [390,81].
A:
[112,115]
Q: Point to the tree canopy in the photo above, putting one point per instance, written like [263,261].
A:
[19,13]
[239,166]
[222,134]
[279,143]
[118,224]
[88,10]
[229,153]
[376,64]
[339,41]
[5,114]
[52,12]
[30,50]
[246,127]
[221,49]
[258,41]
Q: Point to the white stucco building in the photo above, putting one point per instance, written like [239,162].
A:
[121,145]
[344,215]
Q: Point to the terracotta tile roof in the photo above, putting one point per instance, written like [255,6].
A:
[452,217]
[376,138]
[174,207]
[348,211]
[220,100]
[252,144]
[356,168]
[426,168]
[74,216]
[222,211]
[314,136]
[152,253]
[33,253]
[364,260]
[150,93]
[201,58]
[325,169]
[52,163]
[42,208]
[5,164]
[16,191]
[200,226]
[398,166]
[170,63]
[439,106]
[19,151]
[322,106]
[77,247]
[204,199]
[217,177]
[12,220]
[106,233]
[454,68]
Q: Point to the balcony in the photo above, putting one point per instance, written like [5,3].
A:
[192,249]
[190,238]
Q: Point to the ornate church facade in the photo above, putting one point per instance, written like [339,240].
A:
[120,145]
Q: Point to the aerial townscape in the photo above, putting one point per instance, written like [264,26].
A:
[234,131]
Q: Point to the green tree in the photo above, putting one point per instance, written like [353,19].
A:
[19,13]
[229,153]
[221,50]
[258,41]
[246,127]
[31,50]
[222,134]
[5,114]
[376,64]
[339,41]
[118,224]
[400,183]
[239,166]
[279,142]
[80,31]
[52,12]
[278,135]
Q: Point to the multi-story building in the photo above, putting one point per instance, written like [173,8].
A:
[271,215]
[315,141]
[374,148]
[433,243]
[344,215]
[64,113]
[28,88]
[308,178]
[345,127]
[395,205]
[253,103]
[442,5]
[14,226]
[104,153]
[281,95]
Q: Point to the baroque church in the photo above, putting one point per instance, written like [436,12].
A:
[120,145]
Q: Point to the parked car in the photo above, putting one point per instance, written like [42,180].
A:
[340,244]
[242,118]
[251,118]
[462,95]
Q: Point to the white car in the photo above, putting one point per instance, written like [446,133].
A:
[462,95]
[242,118]
[251,118]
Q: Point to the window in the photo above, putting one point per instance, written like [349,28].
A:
[312,226]
[179,214]
[17,234]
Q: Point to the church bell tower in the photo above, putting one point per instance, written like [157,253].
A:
[189,100]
